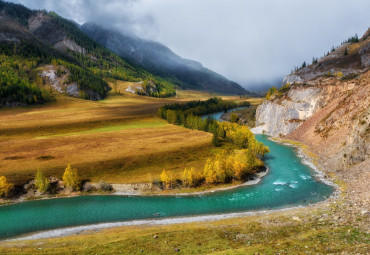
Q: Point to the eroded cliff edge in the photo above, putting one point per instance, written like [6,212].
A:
[327,107]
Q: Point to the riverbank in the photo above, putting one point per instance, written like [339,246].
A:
[142,189]
[145,189]
[348,208]
[233,198]
[302,228]
[310,159]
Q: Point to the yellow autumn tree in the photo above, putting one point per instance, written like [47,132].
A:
[220,169]
[71,179]
[257,149]
[192,178]
[209,172]
[41,182]
[239,165]
[229,165]
[5,186]
[166,179]
[185,177]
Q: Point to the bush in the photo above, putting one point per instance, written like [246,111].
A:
[271,93]
[105,186]
[234,118]
[88,187]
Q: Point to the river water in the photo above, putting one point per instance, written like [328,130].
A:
[289,183]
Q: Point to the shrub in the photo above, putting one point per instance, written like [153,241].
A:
[105,186]
[271,93]
[339,74]
[88,187]
[234,118]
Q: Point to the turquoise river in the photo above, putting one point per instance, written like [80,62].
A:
[288,183]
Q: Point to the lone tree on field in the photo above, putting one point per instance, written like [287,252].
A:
[42,183]
[5,187]
[70,178]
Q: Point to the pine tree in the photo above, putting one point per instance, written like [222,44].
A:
[42,183]
[71,178]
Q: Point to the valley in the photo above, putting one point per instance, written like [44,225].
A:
[117,139]
[112,143]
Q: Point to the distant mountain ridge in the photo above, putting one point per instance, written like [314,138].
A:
[160,60]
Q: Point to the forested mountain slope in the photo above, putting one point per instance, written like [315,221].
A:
[43,54]
[160,60]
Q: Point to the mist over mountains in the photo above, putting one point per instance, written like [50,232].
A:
[160,60]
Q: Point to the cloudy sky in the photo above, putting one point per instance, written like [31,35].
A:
[254,43]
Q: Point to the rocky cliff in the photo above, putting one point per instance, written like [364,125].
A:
[327,107]
[314,86]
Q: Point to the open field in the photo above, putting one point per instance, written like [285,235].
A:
[292,232]
[118,139]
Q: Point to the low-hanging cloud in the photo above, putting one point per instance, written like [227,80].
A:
[254,43]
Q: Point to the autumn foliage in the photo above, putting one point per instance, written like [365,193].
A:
[5,186]
[244,153]
[71,179]
[41,182]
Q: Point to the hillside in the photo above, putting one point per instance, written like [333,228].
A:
[327,107]
[351,57]
[44,54]
[160,60]
[54,56]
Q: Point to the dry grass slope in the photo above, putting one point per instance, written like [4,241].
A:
[118,140]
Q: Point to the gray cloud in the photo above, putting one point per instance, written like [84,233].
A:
[252,42]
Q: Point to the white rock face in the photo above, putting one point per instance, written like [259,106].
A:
[291,79]
[70,45]
[72,90]
[280,117]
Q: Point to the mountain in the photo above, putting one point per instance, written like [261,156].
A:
[327,107]
[160,60]
[43,54]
